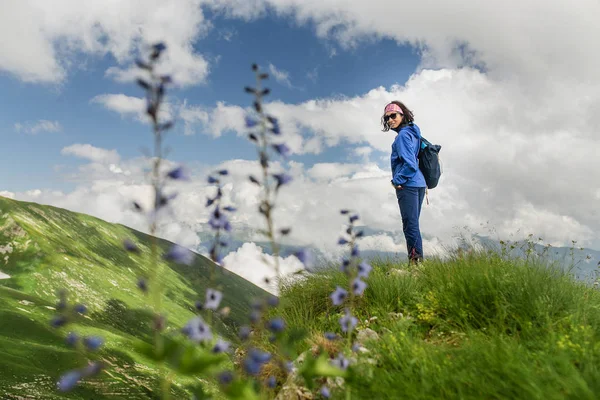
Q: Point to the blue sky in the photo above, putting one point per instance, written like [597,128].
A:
[293,49]
[491,90]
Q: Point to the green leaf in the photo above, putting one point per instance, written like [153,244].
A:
[169,348]
[319,367]
[241,390]
[200,394]
[194,360]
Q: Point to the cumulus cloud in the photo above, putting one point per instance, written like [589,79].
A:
[58,32]
[213,121]
[7,194]
[131,106]
[251,263]
[42,125]
[502,154]
[523,40]
[281,76]
[92,153]
[494,92]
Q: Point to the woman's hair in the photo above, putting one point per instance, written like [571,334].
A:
[408,116]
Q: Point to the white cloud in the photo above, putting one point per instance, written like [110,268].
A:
[132,106]
[363,152]
[7,194]
[518,139]
[251,263]
[216,121]
[42,125]
[281,76]
[313,75]
[501,153]
[89,152]
[57,32]
[524,40]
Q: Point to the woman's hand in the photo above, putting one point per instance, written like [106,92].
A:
[396,187]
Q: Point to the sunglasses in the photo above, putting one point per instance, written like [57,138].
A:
[392,116]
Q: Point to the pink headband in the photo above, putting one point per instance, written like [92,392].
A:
[393,107]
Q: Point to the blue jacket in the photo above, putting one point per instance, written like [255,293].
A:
[405,164]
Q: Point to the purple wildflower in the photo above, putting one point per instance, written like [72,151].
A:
[58,321]
[348,322]
[68,381]
[255,360]
[159,47]
[289,366]
[251,367]
[250,122]
[212,180]
[130,246]
[275,122]
[179,173]
[223,172]
[93,342]
[260,356]
[221,346]
[282,149]
[338,296]
[355,251]
[197,330]
[305,256]
[61,305]
[254,316]
[340,361]
[225,377]
[218,220]
[358,286]
[72,339]
[325,392]
[331,336]
[276,325]
[92,369]
[213,299]
[244,332]
[342,241]
[180,255]
[80,308]
[282,179]
[142,285]
[273,301]
[364,269]
[271,382]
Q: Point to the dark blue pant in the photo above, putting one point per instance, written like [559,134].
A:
[410,200]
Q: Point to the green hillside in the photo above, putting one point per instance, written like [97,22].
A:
[474,326]
[477,325]
[44,249]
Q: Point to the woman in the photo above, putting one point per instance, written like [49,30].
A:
[407,179]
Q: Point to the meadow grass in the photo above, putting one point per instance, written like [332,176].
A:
[474,326]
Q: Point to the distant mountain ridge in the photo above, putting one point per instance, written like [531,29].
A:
[585,260]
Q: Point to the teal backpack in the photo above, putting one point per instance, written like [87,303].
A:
[429,162]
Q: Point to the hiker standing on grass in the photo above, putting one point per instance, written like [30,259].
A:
[407,178]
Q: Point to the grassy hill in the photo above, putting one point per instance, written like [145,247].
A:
[44,249]
[477,325]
